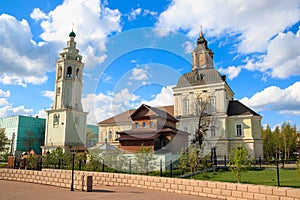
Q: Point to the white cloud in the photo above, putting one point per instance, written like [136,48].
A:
[37,14]
[230,71]
[22,61]
[93,23]
[102,106]
[285,100]
[41,114]
[282,58]
[188,47]
[149,12]
[134,13]
[254,23]
[4,93]
[3,102]
[9,110]
[164,98]
[47,93]
[139,74]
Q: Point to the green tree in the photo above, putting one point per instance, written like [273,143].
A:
[3,140]
[95,158]
[193,158]
[288,139]
[239,160]
[269,143]
[183,160]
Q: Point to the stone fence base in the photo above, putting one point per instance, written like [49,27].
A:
[213,189]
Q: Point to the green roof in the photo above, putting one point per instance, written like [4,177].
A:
[72,34]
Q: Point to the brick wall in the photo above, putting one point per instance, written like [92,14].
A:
[213,189]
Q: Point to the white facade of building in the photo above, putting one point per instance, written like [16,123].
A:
[204,92]
[66,120]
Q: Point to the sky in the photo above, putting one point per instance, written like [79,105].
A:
[135,51]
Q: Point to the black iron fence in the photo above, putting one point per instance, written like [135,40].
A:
[157,167]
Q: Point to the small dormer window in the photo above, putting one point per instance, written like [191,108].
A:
[69,72]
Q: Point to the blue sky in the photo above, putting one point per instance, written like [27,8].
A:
[135,51]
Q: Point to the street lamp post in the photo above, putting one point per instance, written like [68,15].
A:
[73,158]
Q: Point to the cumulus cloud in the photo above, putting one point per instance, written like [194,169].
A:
[149,12]
[285,100]
[230,71]
[188,47]
[102,106]
[41,114]
[22,61]
[49,94]
[139,74]
[282,58]
[4,93]
[93,23]
[254,23]
[9,110]
[164,98]
[134,13]
[37,14]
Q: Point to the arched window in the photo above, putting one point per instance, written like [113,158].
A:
[69,72]
[58,90]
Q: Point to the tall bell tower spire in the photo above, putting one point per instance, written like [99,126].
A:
[66,121]
[202,55]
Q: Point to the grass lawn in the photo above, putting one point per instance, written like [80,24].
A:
[288,177]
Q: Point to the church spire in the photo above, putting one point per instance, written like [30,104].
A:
[201,39]
[72,33]
[202,55]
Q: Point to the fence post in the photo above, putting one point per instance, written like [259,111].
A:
[103,165]
[225,161]
[259,160]
[146,167]
[59,163]
[160,171]
[129,166]
[79,167]
[277,169]
[171,167]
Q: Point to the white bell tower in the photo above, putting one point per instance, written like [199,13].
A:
[66,121]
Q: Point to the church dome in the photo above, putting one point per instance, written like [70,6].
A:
[200,77]
[72,34]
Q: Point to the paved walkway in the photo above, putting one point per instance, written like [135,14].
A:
[11,190]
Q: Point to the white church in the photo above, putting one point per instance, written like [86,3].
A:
[66,120]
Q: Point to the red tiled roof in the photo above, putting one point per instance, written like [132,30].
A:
[125,116]
[147,133]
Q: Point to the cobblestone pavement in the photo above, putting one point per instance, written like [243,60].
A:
[11,190]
